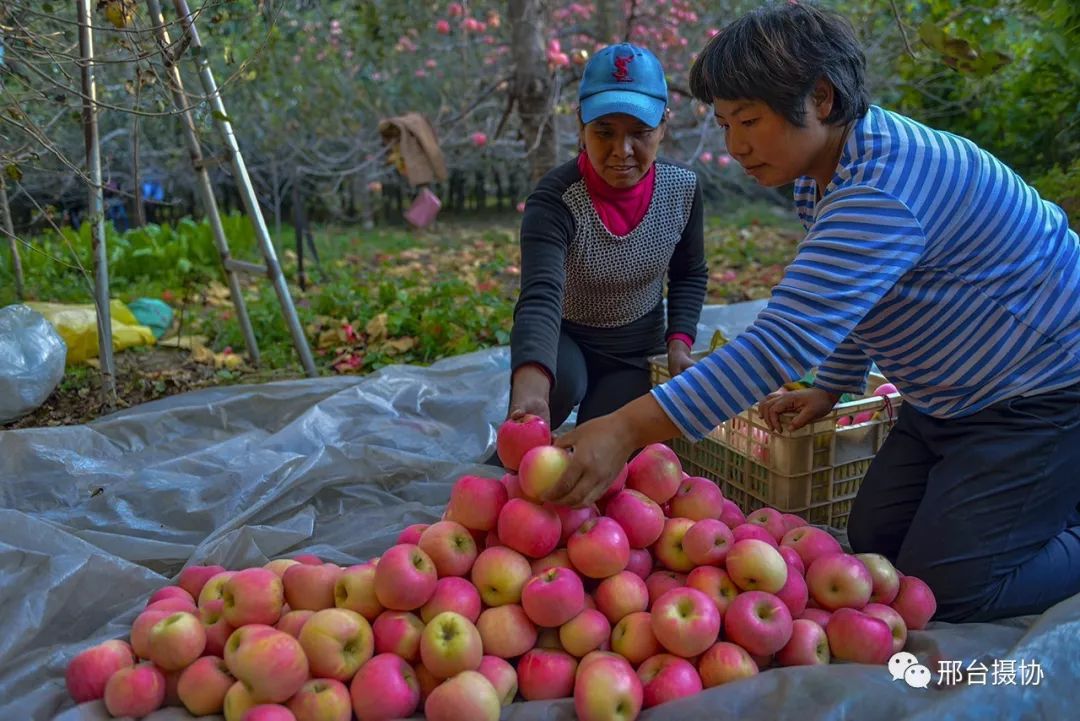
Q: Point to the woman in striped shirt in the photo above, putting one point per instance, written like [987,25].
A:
[928,256]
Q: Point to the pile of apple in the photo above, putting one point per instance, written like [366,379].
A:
[662,589]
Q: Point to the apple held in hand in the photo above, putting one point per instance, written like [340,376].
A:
[541,468]
[89,671]
[517,436]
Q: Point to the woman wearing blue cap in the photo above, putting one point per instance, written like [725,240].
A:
[928,256]
[598,237]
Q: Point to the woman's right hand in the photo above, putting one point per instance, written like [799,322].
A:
[808,405]
[530,388]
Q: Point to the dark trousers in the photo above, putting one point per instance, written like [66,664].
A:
[985,509]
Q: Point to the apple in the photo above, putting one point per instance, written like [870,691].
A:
[310,587]
[810,543]
[620,595]
[892,617]
[506,631]
[707,542]
[685,621]
[202,686]
[176,641]
[667,678]
[731,515]
[269,712]
[450,644]
[279,565]
[570,519]
[725,662]
[756,566]
[641,517]
[172,592]
[715,583]
[399,632]
[759,622]
[839,580]
[468,696]
[794,594]
[546,674]
[553,597]
[502,676]
[915,602]
[172,605]
[451,548]
[426,680]
[589,658]
[271,664]
[585,632]
[886,581]
[633,637]
[405,578]
[607,689]
[217,628]
[599,548]
[640,563]
[322,699]
[309,559]
[516,437]
[499,574]
[660,582]
[135,691]
[355,590]
[528,528]
[793,560]
[792,521]
[753,530]
[140,630]
[337,642]
[384,688]
[292,622]
[656,472]
[238,701]
[253,595]
[411,534]
[90,670]
[808,645]
[475,502]
[818,615]
[193,578]
[213,589]
[697,499]
[452,594]
[559,558]
[669,548]
[859,637]
[771,520]
[478,139]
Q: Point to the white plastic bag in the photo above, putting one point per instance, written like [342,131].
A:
[32,359]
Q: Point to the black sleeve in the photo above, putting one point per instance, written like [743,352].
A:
[688,274]
[546,231]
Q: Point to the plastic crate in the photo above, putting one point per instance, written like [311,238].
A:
[813,472]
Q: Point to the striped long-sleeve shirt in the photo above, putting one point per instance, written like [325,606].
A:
[925,254]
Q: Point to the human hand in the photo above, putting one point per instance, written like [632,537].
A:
[678,357]
[599,450]
[529,394]
[808,405]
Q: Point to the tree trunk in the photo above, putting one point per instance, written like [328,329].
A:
[533,85]
[605,21]
[9,231]
[136,177]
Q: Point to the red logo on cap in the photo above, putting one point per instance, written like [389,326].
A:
[622,72]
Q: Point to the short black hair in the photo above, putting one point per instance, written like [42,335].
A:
[776,54]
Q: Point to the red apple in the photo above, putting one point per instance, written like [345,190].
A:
[546,674]
[355,590]
[517,436]
[177,640]
[467,696]
[640,517]
[620,595]
[667,678]
[607,689]
[669,549]
[915,602]
[725,662]
[553,597]
[808,645]
[384,688]
[310,587]
[859,637]
[405,578]
[732,515]
[656,471]
[839,580]
[660,582]
[452,594]
[892,617]
[541,469]
[810,543]
[599,548]
[771,520]
[794,594]
[398,632]
[885,578]
[499,574]
[697,499]
[793,560]
[253,595]
[715,583]
[685,621]
[412,533]
[202,686]
[707,542]
[528,528]
[475,502]
[586,632]
[450,644]
[506,631]
[193,578]
[502,676]
[570,519]
[753,530]
[640,562]
[754,565]
[336,642]
[89,671]
[135,691]
[450,546]
[759,622]
[633,637]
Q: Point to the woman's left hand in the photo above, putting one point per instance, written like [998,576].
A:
[678,357]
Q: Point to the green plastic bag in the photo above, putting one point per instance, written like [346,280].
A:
[155,314]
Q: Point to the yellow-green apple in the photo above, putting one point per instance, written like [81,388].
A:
[541,468]
[839,580]
[546,674]
[451,548]
[355,590]
[193,578]
[513,485]
[640,562]
[412,533]
[556,559]
[270,663]
[450,644]
[203,685]
[398,632]
[385,688]
[794,594]
[810,543]
[665,677]
[725,662]
[475,502]
[570,519]
[732,515]
[753,530]
[633,637]
[529,528]
[771,520]
[808,645]
[685,621]
[499,574]
[915,601]
[585,632]
[293,621]
[620,595]
[279,565]
[641,517]
[176,641]
[715,583]
[516,437]
[502,676]
[253,595]
[793,560]
[698,498]
[426,680]
[405,578]
[135,690]
[707,542]
[322,699]
[310,587]
[452,594]
[506,631]
[599,548]
[759,622]
[174,592]
[756,566]
[468,696]
[607,689]
[337,642]
[669,549]
[859,637]
[891,616]
[214,588]
[883,573]
[660,582]
[269,712]
[218,630]
[238,700]
[89,671]
[656,472]
[553,597]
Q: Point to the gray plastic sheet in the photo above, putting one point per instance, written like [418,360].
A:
[94,518]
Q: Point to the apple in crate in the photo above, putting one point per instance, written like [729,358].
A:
[502,676]
[665,677]
[915,602]
[839,580]
[135,691]
[754,565]
[808,645]
[89,671]
[517,436]
[859,637]
[546,674]
[450,644]
[759,622]
[384,688]
[607,689]
[553,597]
[725,662]
[468,696]
[656,472]
[641,517]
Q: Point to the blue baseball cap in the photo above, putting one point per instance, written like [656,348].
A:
[624,78]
